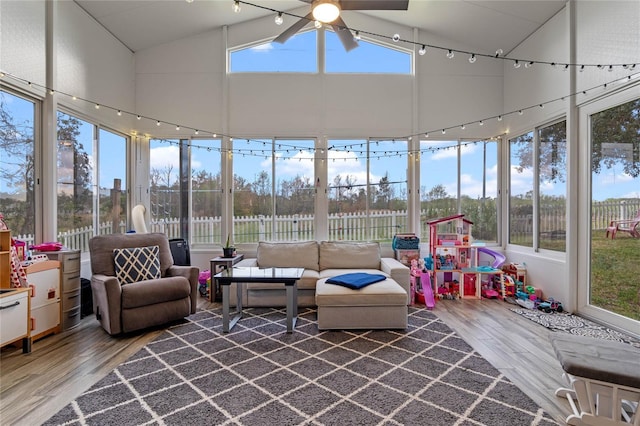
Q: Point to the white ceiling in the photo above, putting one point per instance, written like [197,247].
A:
[484,25]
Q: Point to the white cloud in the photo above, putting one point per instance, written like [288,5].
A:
[262,47]
[164,156]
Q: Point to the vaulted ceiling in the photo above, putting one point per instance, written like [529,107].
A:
[483,25]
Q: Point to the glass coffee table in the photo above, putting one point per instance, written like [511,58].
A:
[287,276]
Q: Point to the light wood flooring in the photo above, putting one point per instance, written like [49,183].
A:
[60,367]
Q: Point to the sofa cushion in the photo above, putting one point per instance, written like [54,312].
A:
[356,280]
[136,264]
[307,281]
[337,255]
[382,293]
[302,254]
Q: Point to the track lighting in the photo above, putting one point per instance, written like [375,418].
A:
[236,6]
[279,20]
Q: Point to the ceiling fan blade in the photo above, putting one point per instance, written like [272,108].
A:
[292,30]
[344,34]
[374,4]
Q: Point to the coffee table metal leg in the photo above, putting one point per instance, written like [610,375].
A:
[227,323]
[292,306]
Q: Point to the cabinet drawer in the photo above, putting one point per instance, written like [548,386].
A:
[71,281]
[70,262]
[45,318]
[70,300]
[71,318]
[13,317]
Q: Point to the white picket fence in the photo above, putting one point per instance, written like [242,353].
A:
[352,226]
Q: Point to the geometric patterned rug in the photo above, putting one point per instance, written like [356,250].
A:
[259,375]
[574,324]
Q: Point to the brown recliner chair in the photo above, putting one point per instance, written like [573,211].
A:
[122,308]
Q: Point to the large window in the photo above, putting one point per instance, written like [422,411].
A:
[460,176]
[368,57]
[164,166]
[367,189]
[298,54]
[537,184]
[521,186]
[552,170]
[76,186]
[91,186]
[17,142]
[615,195]
[112,181]
[479,187]
[206,191]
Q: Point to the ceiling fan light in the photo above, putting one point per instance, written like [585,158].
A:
[326,11]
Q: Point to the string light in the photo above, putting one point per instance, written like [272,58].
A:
[357,36]
[499,53]
[97,106]
[119,113]
[450,54]
[317,24]
[516,64]
[236,6]
[279,19]
[422,50]
[396,37]
[472,58]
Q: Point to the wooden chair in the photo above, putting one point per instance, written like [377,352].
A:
[632,226]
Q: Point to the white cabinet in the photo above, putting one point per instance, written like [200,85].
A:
[14,317]
[44,280]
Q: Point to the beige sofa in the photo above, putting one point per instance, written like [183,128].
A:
[379,305]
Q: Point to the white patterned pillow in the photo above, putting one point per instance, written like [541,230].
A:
[137,264]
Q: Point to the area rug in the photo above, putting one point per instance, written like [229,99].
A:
[259,375]
[574,324]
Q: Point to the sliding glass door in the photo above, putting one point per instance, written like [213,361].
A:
[611,291]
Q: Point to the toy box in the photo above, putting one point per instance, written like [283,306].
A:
[406,256]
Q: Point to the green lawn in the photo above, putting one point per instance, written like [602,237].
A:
[615,273]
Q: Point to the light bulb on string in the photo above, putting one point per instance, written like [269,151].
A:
[422,50]
[178,127]
[499,53]
[317,24]
[158,123]
[499,118]
[581,68]
[138,117]
[450,54]
[481,123]
[516,64]
[357,36]
[236,6]
[472,58]
[279,20]
[119,113]
[528,64]
[520,112]
[396,37]
[610,68]
[97,106]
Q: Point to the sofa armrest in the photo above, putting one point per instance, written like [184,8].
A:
[247,263]
[107,296]
[397,271]
[191,273]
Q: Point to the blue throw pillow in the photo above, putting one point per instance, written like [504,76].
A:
[356,280]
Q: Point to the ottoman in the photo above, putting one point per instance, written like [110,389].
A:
[604,379]
[379,305]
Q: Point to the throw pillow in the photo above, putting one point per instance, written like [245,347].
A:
[356,280]
[137,264]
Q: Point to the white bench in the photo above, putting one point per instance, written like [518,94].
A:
[603,379]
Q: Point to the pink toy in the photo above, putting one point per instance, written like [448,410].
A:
[425,281]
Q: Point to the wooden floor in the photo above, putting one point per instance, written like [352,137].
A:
[60,367]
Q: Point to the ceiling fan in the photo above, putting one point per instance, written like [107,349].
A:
[328,12]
